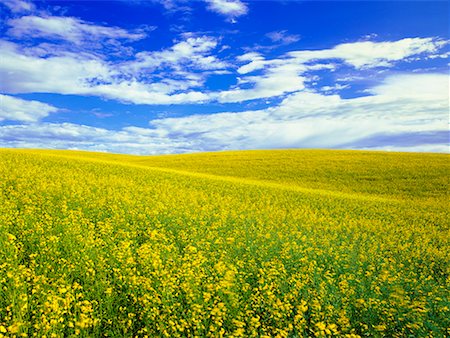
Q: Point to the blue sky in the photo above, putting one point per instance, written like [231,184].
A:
[153,77]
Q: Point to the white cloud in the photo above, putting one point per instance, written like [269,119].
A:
[307,119]
[428,148]
[417,120]
[67,28]
[88,75]
[176,75]
[275,82]
[257,61]
[73,136]
[18,6]
[66,74]
[288,73]
[428,87]
[333,88]
[251,56]
[15,109]
[229,8]
[139,93]
[414,101]
[194,51]
[368,54]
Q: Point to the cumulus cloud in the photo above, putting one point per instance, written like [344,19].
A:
[70,73]
[15,109]
[228,8]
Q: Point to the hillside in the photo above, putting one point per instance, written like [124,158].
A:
[289,243]
[377,173]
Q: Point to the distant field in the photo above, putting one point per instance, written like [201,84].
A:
[292,243]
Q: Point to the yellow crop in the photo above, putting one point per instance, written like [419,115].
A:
[234,244]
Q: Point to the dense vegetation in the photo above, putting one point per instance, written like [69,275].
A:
[236,244]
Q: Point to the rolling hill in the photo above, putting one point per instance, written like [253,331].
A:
[287,243]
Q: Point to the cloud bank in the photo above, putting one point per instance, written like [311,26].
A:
[302,120]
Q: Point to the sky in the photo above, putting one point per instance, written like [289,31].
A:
[177,76]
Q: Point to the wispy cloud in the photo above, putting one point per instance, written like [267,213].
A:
[366,54]
[274,82]
[194,52]
[18,6]
[230,9]
[283,37]
[69,29]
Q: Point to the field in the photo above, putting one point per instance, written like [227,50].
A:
[236,244]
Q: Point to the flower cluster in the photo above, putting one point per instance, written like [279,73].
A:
[171,246]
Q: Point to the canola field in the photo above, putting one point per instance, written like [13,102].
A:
[289,243]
